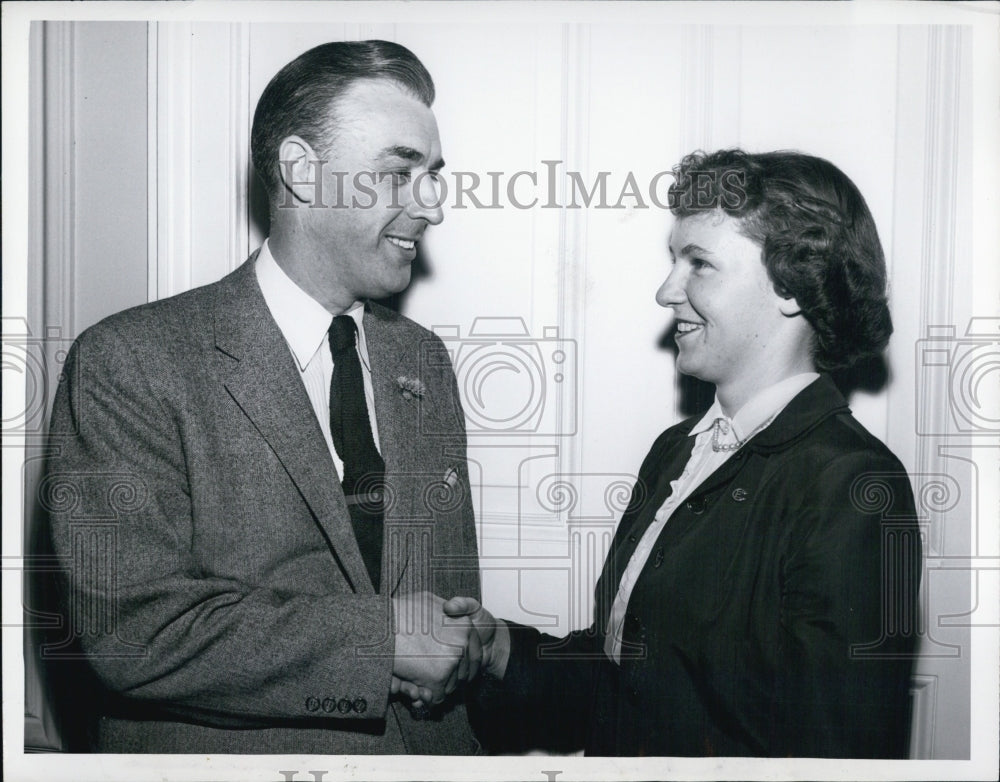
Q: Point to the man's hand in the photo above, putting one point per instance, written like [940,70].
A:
[418,695]
[494,636]
[434,652]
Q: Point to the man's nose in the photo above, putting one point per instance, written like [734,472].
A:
[671,292]
[426,199]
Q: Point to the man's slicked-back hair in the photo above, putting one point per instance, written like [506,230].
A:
[818,238]
[298,100]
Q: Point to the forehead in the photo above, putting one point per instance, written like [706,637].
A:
[707,229]
[375,114]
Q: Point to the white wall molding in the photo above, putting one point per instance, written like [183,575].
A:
[59,251]
[941,172]
[930,206]
[710,73]
[573,255]
[199,170]
[169,151]
[239,152]
[533,527]
[698,77]
[365,31]
[534,542]
[928,200]
[52,311]
[940,188]
[923,692]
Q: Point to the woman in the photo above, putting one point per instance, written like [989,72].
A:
[753,597]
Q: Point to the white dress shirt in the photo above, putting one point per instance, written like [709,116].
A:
[752,418]
[304,323]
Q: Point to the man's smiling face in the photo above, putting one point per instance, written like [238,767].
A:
[379,194]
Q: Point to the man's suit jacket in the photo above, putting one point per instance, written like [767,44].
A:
[776,615]
[214,580]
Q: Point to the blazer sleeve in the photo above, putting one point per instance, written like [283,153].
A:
[546,696]
[549,696]
[848,614]
[154,627]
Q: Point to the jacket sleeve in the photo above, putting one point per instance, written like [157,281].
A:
[545,699]
[156,628]
[848,615]
[548,698]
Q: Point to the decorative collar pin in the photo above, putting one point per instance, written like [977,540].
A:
[411,387]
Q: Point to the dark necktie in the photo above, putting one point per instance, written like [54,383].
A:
[364,470]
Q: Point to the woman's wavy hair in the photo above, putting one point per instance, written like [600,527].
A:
[819,240]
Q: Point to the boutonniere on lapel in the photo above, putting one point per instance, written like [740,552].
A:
[411,387]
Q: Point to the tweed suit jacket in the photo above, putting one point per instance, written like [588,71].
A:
[210,556]
[775,617]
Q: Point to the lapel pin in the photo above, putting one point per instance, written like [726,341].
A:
[411,387]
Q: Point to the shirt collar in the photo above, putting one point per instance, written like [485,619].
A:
[303,321]
[759,409]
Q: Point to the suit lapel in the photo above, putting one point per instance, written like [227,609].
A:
[391,357]
[259,372]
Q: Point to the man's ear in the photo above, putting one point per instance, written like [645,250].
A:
[300,170]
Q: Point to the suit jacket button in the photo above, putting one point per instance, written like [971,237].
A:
[360,705]
[329,705]
[343,706]
[312,704]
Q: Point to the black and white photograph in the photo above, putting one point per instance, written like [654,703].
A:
[501,390]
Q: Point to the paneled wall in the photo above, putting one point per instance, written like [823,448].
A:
[561,350]
[87,251]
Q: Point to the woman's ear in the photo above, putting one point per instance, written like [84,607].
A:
[788,306]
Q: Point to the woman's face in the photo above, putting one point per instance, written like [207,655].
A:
[730,326]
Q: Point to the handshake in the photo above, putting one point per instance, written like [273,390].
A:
[440,644]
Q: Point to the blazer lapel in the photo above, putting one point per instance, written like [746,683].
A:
[674,458]
[390,358]
[806,410]
[259,372]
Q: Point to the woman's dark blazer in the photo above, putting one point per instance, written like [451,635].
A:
[776,615]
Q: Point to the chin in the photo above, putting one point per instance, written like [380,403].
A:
[683,365]
[388,291]
[402,283]
[686,368]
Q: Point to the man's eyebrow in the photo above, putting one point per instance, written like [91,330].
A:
[410,154]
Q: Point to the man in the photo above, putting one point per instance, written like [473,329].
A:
[277,524]
[760,594]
